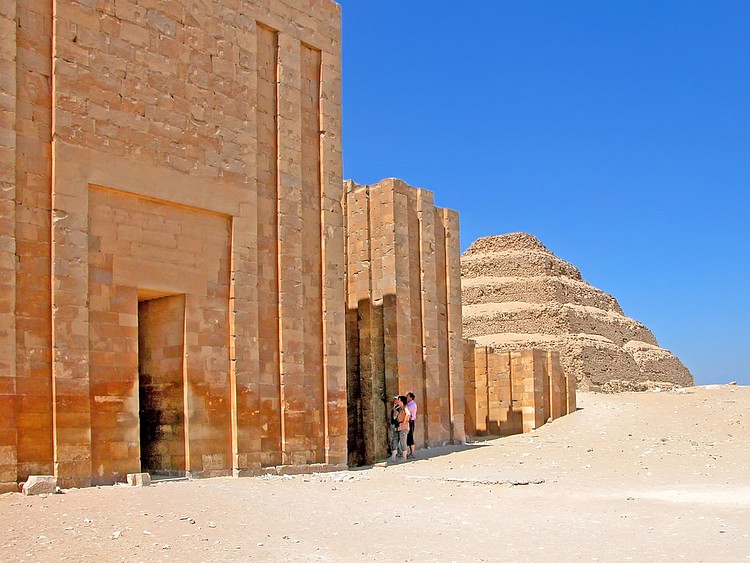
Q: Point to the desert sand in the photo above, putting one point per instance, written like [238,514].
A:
[654,476]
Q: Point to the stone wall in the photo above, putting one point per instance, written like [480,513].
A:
[184,150]
[403,315]
[513,392]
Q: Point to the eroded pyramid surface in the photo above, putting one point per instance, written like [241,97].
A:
[517,294]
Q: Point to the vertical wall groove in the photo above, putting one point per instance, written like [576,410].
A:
[270,398]
[185,388]
[323,269]
[311,206]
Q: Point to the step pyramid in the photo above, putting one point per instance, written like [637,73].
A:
[517,294]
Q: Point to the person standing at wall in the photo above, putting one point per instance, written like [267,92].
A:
[412,406]
[400,417]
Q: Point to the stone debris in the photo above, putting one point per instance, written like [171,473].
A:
[621,386]
[40,485]
[489,482]
[517,294]
[337,477]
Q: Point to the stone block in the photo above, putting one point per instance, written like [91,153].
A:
[139,479]
[40,485]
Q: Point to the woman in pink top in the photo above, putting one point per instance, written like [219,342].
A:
[412,406]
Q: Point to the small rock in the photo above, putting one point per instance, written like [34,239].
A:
[212,524]
[116,534]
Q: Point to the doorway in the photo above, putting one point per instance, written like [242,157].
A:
[161,393]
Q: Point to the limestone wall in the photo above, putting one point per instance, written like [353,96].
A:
[403,314]
[152,150]
[514,392]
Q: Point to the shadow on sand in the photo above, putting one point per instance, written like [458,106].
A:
[431,453]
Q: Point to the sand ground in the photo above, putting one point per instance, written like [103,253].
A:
[630,477]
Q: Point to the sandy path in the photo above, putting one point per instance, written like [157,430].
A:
[642,477]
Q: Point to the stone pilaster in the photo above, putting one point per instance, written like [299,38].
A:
[8,85]
[333,257]
[451,235]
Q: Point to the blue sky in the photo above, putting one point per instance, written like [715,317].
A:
[618,133]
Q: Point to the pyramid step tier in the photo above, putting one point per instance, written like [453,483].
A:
[538,289]
[510,241]
[552,318]
[658,364]
[521,264]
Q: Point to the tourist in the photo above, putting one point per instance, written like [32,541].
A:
[412,406]
[400,417]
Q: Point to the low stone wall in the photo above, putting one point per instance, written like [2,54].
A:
[513,392]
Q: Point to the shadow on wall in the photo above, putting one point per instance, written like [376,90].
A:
[369,384]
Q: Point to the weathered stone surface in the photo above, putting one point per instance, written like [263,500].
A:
[40,485]
[517,295]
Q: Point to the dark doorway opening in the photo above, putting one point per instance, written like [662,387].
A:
[161,392]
